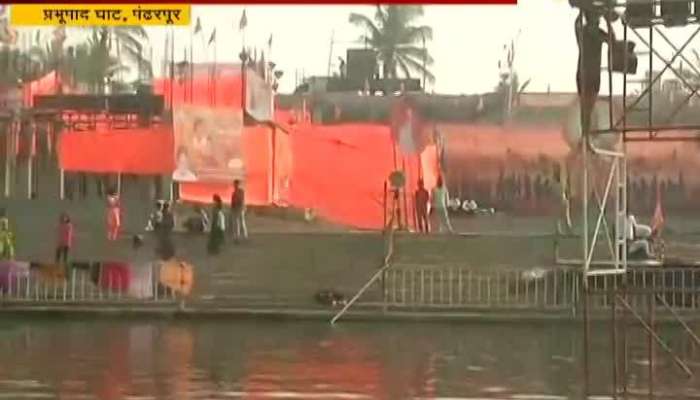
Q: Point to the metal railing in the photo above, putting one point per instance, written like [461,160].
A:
[432,288]
[78,286]
[452,287]
[438,287]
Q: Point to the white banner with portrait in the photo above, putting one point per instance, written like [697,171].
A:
[258,97]
[208,144]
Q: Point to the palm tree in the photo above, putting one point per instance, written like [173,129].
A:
[509,84]
[104,54]
[130,43]
[91,62]
[399,45]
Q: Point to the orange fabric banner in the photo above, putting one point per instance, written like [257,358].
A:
[144,151]
[340,170]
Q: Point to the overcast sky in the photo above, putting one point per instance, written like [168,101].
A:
[467,41]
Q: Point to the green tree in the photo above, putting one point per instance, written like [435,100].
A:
[105,52]
[399,44]
[92,63]
[129,43]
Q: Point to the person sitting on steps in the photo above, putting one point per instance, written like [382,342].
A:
[638,237]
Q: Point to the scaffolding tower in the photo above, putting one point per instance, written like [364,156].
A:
[644,22]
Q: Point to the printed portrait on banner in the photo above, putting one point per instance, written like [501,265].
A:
[208,144]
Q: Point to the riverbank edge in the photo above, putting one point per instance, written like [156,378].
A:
[276,313]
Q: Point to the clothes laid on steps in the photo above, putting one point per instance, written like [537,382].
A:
[11,274]
[51,273]
[176,276]
[142,282]
[114,276]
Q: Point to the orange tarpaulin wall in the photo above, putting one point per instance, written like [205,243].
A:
[339,171]
[135,151]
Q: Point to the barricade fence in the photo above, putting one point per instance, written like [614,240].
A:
[541,289]
[405,286]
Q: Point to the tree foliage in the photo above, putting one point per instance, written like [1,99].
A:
[400,45]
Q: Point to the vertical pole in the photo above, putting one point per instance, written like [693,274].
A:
[586,334]
[385,204]
[650,342]
[9,151]
[62,184]
[425,58]
[623,212]
[30,159]
[584,195]
[172,70]
[405,197]
[614,340]
[214,74]
[330,52]
[191,68]
[271,180]
[119,183]
[650,113]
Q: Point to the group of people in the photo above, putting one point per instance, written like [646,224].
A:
[162,222]
[436,203]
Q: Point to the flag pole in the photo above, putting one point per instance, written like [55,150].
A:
[172,69]
[242,25]
[191,68]
[214,73]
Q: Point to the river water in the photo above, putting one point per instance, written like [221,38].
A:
[246,359]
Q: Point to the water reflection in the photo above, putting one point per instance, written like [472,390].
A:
[268,360]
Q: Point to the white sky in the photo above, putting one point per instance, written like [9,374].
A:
[467,41]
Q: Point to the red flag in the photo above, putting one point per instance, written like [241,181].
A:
[657,221]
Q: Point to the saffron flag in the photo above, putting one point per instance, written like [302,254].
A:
[212,38]
[244,21]
[657,221]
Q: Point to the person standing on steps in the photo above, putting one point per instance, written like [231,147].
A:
[218,227]
[65,239]
[114,220]
[441,201]
[422,198]
[166,248]
[238,225]
[7,240]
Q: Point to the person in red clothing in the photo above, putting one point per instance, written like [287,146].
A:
[422,198]
[65,239]
[113,216]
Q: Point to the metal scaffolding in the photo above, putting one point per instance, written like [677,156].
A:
[607,274]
